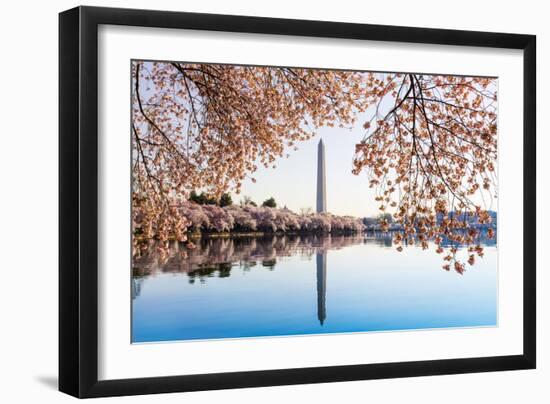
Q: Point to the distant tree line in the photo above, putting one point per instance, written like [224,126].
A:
[212,217]
[226,200]
[204,199]
[386,222]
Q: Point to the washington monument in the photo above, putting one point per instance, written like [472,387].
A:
[321,179]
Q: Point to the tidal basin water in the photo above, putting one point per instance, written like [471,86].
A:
[292,285]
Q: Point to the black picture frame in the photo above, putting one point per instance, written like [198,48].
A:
[78,201]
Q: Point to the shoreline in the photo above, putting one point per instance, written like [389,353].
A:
[267,233]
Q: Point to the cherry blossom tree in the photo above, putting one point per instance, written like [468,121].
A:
[429,150]
[201,126]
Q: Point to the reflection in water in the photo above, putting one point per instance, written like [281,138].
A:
[217,256]
[254,286]
[137,282]
[321,286]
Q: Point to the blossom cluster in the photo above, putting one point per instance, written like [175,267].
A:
[212,218]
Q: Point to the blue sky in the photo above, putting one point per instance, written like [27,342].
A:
[293,181]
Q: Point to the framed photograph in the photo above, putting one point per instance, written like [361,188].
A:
[251,201]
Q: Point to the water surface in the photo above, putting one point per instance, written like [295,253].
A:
[290,285]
